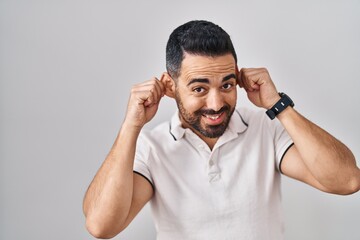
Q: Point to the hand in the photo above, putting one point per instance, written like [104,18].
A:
[260,89]
[143,103]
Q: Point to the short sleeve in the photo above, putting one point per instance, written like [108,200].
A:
[141,161]
[282,141]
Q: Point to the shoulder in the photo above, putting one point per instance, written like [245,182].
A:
[257,118]
[159,133]
[251,115]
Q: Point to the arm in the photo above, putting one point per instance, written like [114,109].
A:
[316,158]
[116,194]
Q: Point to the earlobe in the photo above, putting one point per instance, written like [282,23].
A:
[169,84]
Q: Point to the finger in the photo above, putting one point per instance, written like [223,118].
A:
[155,87]
[253,79]
[260,76]
[146,98]
[162,82]
[151,85]
[245,82]
[252,71]
[254,87]
[160,88]
[152,88]
[146,91]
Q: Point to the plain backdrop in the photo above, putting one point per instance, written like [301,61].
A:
[66,68]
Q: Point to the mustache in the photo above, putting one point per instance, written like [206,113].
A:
[211,111]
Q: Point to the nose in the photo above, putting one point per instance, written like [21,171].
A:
[214,100]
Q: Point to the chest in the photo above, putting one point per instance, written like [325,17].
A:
[195,182]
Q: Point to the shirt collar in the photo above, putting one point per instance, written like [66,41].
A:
[236,125]
[176,130]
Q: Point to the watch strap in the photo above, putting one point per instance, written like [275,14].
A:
[283,103]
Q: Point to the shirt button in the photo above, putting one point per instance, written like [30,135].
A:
[211,163]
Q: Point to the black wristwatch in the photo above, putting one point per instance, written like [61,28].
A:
[283,103]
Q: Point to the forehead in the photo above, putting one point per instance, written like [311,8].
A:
[205,66]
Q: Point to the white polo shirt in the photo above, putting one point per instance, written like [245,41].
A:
[231,192]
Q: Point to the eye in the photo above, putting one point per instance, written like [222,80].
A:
[227,86]
[199,90]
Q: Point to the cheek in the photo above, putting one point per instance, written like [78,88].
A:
[189,102]
[231,98]
[192,104]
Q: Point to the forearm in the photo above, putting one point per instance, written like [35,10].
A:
[328,160]
[108,199]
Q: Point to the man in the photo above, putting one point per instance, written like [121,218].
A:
[213,171]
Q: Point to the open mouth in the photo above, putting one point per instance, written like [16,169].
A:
[214,119]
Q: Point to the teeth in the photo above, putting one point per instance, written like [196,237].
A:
[213,117]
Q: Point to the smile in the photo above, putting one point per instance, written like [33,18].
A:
[213,117]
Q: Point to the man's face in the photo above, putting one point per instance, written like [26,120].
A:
[206,93]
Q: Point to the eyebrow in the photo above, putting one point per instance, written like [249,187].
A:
[205,80]
[228,77]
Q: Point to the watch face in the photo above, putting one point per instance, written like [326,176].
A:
[288,99]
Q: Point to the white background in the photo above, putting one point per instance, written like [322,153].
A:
[66,68]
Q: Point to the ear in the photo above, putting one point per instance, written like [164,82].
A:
[169,84]
[237,72]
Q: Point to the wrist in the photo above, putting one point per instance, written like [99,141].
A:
[130,127]
[273,102]
[281,116]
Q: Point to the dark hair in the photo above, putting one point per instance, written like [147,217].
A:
[197,37]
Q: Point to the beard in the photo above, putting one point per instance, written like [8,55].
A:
[194,119]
